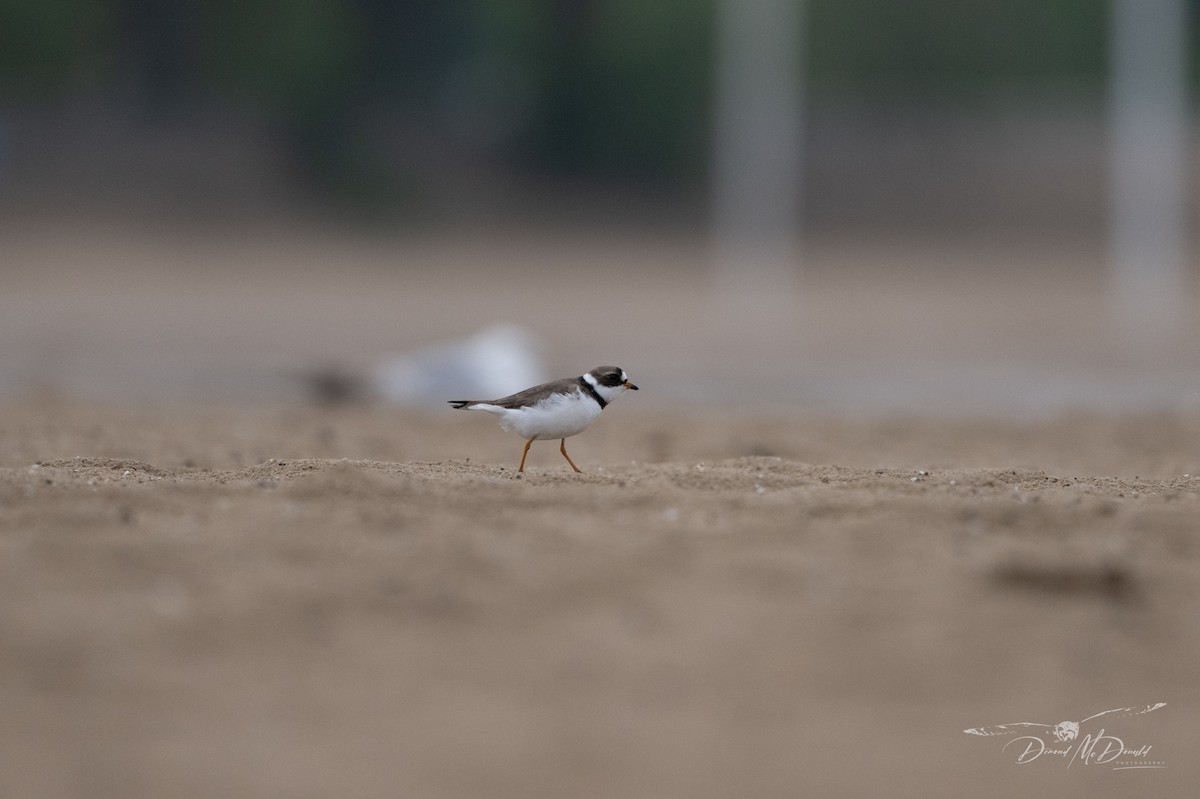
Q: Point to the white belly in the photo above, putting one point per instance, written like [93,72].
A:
[561,416]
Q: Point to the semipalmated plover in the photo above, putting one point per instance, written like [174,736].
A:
[558,409]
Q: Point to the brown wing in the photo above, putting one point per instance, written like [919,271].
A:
[531,395]
[527,397]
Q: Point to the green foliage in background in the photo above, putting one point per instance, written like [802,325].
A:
[288,56]
[47,48]
[954,49]
[568,87]
[616,87]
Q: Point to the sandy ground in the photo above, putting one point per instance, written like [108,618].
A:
[306,602]
[927,488]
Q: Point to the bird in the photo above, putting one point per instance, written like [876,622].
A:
[1064,731]
[558,409]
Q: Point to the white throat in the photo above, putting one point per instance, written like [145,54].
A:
[608,393]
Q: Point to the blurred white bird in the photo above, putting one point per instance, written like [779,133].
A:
[491,363]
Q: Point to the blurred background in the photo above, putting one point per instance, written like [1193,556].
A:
[939,205]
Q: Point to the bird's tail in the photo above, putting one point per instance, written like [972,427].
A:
[460,404]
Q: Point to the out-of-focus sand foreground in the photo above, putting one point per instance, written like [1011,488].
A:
[209,587]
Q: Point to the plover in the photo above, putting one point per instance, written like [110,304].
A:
[558,409]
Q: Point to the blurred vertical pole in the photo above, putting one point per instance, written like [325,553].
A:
[757,156]
[1147,162]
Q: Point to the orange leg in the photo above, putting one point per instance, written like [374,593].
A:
[563,450]
[523,454]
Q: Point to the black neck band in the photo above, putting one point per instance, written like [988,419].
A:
[590,389]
